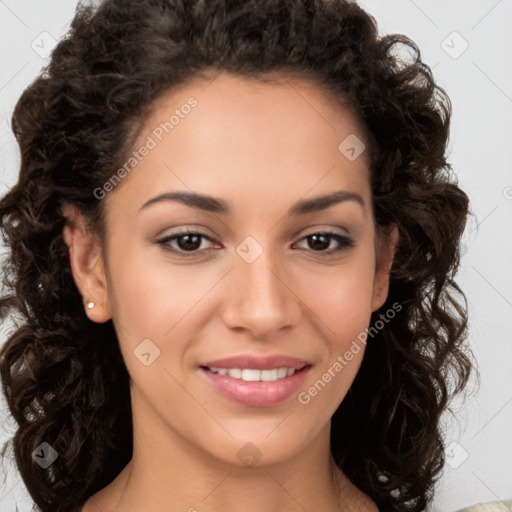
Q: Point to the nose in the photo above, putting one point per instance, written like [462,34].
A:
[260,300]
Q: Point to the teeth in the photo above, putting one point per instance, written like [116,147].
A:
[250,375]
[268,375]
[236,373]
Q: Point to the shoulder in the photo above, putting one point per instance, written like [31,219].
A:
[107,499]
[102,501]
[90,506]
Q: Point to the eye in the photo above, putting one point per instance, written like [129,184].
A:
[186,241]
[321,240]
[190,241]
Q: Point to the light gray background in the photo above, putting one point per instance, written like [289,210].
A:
[479,82]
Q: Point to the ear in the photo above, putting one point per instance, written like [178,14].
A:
[86,264]
[386,244]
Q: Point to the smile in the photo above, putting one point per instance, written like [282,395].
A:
[254,375]
[254,387]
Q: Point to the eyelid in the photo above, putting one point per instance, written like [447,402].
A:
[165,241]
[344,241]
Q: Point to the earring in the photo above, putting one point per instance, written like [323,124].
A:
[90,305]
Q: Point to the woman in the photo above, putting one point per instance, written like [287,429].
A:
[233,244]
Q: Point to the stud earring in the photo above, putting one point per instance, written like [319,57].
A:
[90,305]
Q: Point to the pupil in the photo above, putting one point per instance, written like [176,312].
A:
[318,244]
[192,242]
[188,245]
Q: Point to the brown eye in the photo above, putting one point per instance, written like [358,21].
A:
[189,243]
[321,241]
[184,242]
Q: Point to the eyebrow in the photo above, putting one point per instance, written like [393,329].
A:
[215,205]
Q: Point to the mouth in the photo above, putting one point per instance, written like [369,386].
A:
[256,382]
[255,375]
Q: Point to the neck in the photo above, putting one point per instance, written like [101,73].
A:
[173,474]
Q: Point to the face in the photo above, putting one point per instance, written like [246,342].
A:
[257,271]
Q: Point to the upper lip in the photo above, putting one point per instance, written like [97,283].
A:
[258,362]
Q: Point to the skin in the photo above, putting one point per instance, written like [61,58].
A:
[261,148]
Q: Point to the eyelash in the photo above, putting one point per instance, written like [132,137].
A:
[343,241]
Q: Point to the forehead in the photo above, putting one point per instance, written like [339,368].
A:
[230,133]
[276,100]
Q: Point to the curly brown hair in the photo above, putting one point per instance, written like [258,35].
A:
[77,122]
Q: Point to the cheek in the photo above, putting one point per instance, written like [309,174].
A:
[340,296]
[166,304]
[345,315]
[341,301]
[151,295]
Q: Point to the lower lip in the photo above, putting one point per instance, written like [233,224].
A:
[257,394]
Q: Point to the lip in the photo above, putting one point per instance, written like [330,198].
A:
[259,393]
[258,362]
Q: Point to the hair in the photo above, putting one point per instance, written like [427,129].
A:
[63,376]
